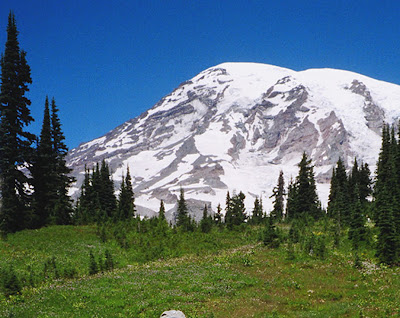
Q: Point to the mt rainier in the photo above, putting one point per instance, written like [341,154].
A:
[235,126]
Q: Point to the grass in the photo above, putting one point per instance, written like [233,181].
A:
[236,278]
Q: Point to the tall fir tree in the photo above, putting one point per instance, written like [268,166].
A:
[218,216]
[386,203]
[236,212]
[44,174]
[279,198]
[257,213]
[15,142]
[182,213]
[357,231]
[126,202]
[108,201]
[62,210]
[338,204]
[206,222]
[303,193]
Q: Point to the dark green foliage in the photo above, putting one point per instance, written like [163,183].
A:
[294,232]
[50,173]
[279,198]
[302,194]
[182,214]
[161,212]
[235,211]
[50,269]
[338,204]
[387,195]
[97,201]
[109,262]
[206,222]
[387,244]
[357,231]
[270,236]
[15,142]
[218,216]
[62,210]
[10,283]
[93,266]
[126,201]
[257,214]
[44,174]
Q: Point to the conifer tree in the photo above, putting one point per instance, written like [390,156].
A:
[357,231]
[279,198]
[387,199]
[182,213]
[162,224]
[15,142]
[387,245]
[161,212]
[291,200]
[44,174]
[303,198]
[218,216]
[108,201]
[257,213]
[236,212]
[364,183]
[126,202]
[270,236]
[62,209]
[206,222]
[338,204]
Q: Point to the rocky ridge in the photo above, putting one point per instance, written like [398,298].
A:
[235,126]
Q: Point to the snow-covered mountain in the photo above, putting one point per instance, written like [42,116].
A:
[236,125]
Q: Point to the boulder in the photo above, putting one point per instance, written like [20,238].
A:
[173,314]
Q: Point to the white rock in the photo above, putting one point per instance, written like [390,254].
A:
[173,314]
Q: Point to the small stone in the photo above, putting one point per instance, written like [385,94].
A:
[173,314]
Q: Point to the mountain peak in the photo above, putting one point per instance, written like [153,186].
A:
[234,126]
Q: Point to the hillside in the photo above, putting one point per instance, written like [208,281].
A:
[236,125]
[238,278]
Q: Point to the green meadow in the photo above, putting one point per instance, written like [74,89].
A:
[218,274]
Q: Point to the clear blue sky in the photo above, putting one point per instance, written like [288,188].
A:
[108,61]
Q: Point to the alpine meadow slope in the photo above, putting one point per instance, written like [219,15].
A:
[235,126]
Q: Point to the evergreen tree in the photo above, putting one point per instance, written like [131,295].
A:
[386,199]
[291,200]
[303,198]
[218,216]
[257,213]
[126,202]
[206,222]
[270,236]
[182,213]
[357,232]
[161,212]
[387,244]
[364,183]
[43,172]
[15,142]
[108,202]
[279,198]
[338,204]
[62,210]
[236,212]
[88,206]
[228,208]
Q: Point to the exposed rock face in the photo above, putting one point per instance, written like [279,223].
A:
[235,126]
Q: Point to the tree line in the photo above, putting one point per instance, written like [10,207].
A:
[34,177]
